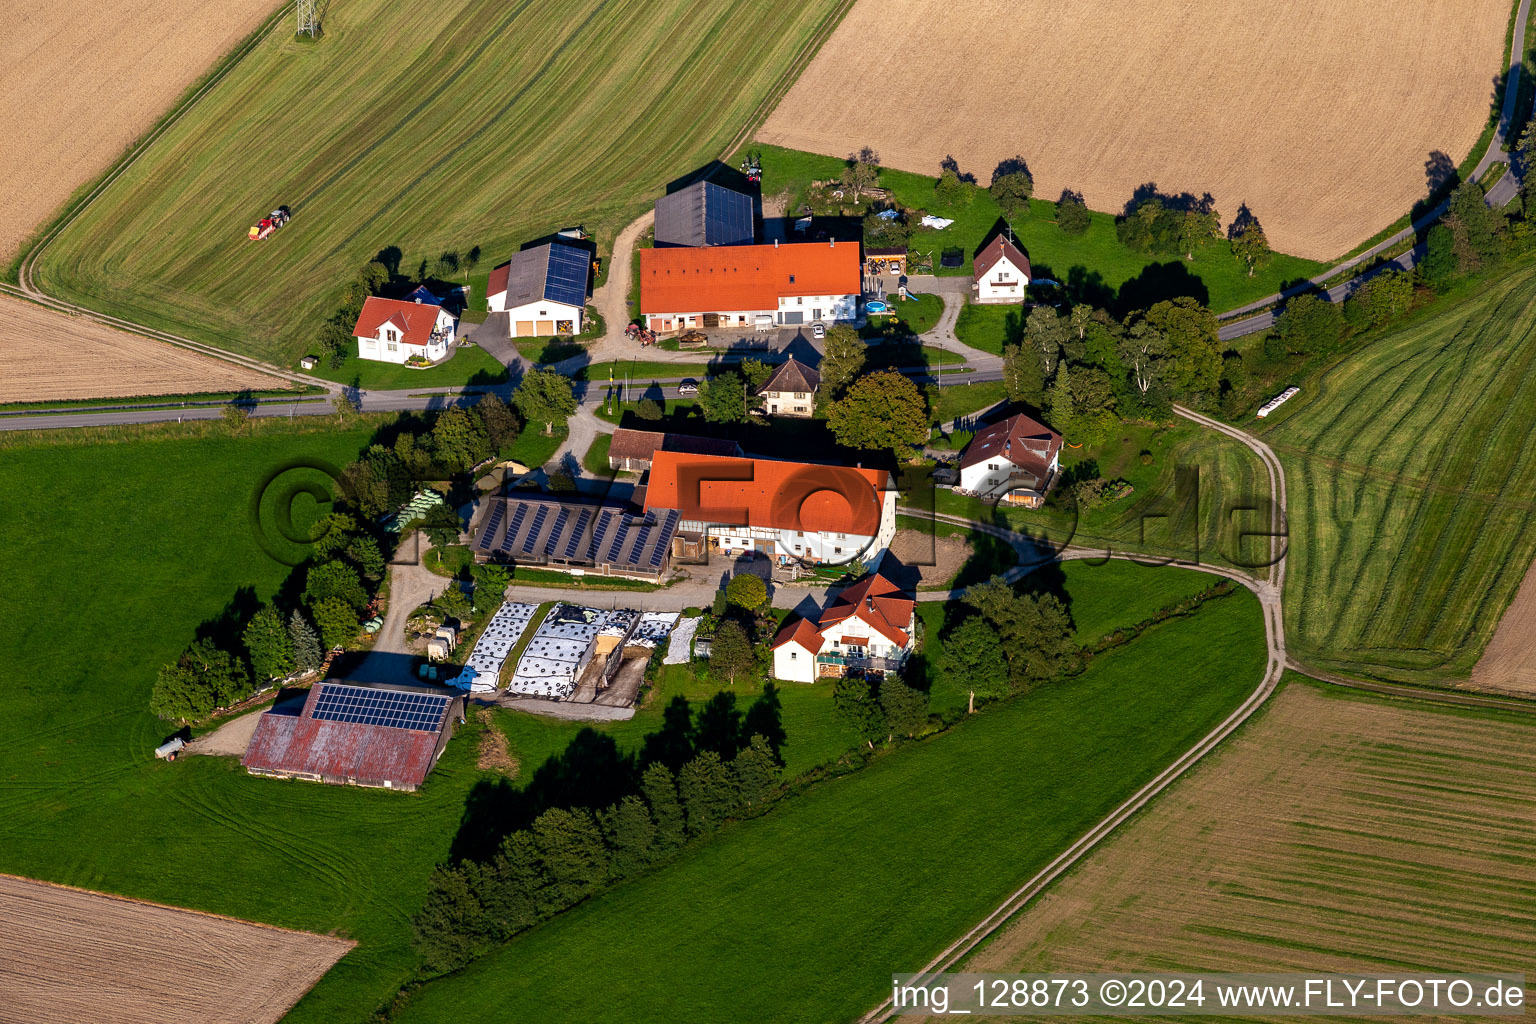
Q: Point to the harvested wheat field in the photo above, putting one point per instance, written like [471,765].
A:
[1508,664]
[1335,833]
[69,955]
[75,357]
[80,81]
[1318,115]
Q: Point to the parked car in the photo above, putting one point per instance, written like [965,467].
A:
[688,387]
[818,330]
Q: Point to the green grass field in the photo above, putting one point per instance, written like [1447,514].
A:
[1096,260]
[802,914]
[1410,468]
[1188,503]
[465,123]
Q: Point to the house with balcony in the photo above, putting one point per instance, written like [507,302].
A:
[396,330]
[868,627]
[1013,461]
[1000,272]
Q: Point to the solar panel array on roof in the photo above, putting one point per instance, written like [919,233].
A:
[396,709]
[705,213]
[542,528]
[566,279]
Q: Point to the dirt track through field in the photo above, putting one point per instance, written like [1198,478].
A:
[1334,834]
[80,81]
[1319,115]
[48,356]
[67,955]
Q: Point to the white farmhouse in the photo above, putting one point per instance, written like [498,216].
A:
[1000,272]
[870,626]
[788,511]
[543,290]
[394,330]
[790,390]
[750,286]
[1013,461]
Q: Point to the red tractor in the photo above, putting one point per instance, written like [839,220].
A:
[268,224]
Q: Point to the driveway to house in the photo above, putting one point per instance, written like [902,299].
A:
[410,587]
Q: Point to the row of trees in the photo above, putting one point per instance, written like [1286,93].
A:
[695,779]
[881,709]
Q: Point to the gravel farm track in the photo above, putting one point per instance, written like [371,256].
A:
[69,955]
[1318,115]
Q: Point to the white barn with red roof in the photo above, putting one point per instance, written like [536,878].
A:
[1000,272]
[789,511]
[1013,460]
[869,626]
[750,286]
[393,330]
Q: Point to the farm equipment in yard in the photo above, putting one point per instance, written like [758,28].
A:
[268,224]
[635,332]
[752,167]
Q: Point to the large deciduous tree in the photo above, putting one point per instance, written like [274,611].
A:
[545,396]
[724,399]
[842,362]
[881,411]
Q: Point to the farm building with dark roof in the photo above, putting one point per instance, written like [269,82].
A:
[705,214]
[358,734]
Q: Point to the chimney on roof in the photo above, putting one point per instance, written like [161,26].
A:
[831,243]
[418,300]
[775,243]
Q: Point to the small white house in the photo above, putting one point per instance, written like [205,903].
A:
[870,626]
[790,390]
[393,330]
[542,290]
[1013,460]
[1000,272]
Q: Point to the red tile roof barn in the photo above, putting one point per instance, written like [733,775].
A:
[414,320]
[725,278]
[768,494]
[340,751]
[1025,442]
[996,250]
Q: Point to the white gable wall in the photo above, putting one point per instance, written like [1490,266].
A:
[1004,282]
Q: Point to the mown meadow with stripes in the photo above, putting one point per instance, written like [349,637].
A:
[1411,469]
[428,128]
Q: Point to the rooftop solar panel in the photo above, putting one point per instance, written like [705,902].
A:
[554,531]
[533,529]
[566,279]
[576,532]
[604,520]
[391,708]
[497,515]
[618,539]
[640,539]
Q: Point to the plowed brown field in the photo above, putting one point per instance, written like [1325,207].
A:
[80,81]
[1508,663]
[1319,115]
[48,356]
[1335,833]
[67,955]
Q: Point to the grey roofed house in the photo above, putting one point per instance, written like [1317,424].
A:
[553,271]
[792,376]
[705,214]
[571,533]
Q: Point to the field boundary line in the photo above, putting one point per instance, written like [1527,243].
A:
[1477,700]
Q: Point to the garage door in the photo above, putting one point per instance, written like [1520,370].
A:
[546,328]
[524,329]
[794,318]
